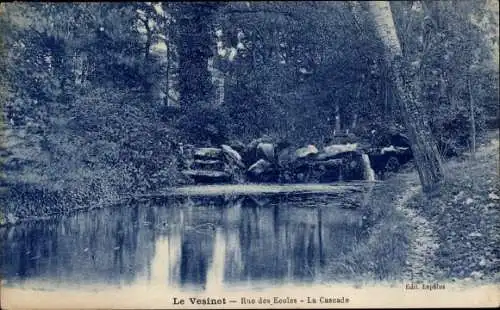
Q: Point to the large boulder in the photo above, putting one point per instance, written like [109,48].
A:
[207,153]
[259,167]
[265,151]
[262,171]
[286,157]
[389,159]
[281,145]
[398,150]
[298,165]
[308,151]
[264,139]
[389,151]
[345,166]
[353,167]
[214,164]
[249,153]
[330,170]
[234,163]
[285,161]
[334,150]
[232,155]
[238,146]
[400,140]
[334,163]
[329,163]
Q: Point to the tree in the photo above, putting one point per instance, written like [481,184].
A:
[3,98]
[293,62]
[194,22]
[427,157]
[447,41]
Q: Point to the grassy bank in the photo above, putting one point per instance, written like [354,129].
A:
[384,253]
[450,237]
[465,216]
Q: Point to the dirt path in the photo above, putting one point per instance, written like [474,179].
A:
[423,240]
[454,235]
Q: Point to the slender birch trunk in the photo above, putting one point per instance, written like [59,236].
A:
[427,157]
[472,122]
[337,119]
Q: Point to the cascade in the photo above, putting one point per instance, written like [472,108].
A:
[368,171]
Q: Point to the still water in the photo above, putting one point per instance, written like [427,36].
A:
[188,242]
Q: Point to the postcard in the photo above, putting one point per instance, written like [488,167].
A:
[245,155]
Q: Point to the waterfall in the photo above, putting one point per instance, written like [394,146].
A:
[369,173]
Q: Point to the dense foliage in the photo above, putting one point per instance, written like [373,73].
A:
[97,96]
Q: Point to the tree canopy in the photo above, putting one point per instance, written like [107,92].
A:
[99,95]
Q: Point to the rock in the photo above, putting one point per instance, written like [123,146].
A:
[251,154]
[263,139]
[286,156]
[476,275]
[483,262]
[208,176]
[329,163]
[330,170]
[335,149]
[353,168]
[234,163]
[208,153]
[475,234]
[232,155]
[281,145]
[238,146]
[214,164]
[397,150]
[400,140]
[493,196]
[263,171]
[265,151]
[259,167]
[306,151]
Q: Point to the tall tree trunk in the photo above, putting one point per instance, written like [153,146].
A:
[172,69]
[218,81]
[472,122]
[337,119]
[195,21]
[354,122]
[427,157]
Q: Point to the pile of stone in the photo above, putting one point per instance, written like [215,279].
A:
[216,165]
[306,164]
[264,160]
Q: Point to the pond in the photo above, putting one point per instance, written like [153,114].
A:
[192,241]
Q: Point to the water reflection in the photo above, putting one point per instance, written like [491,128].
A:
[188,242]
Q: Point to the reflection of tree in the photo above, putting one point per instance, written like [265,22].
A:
[282,241]
[108,245]
[177,243]
[196,254]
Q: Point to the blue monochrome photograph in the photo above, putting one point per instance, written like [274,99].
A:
[234,154]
